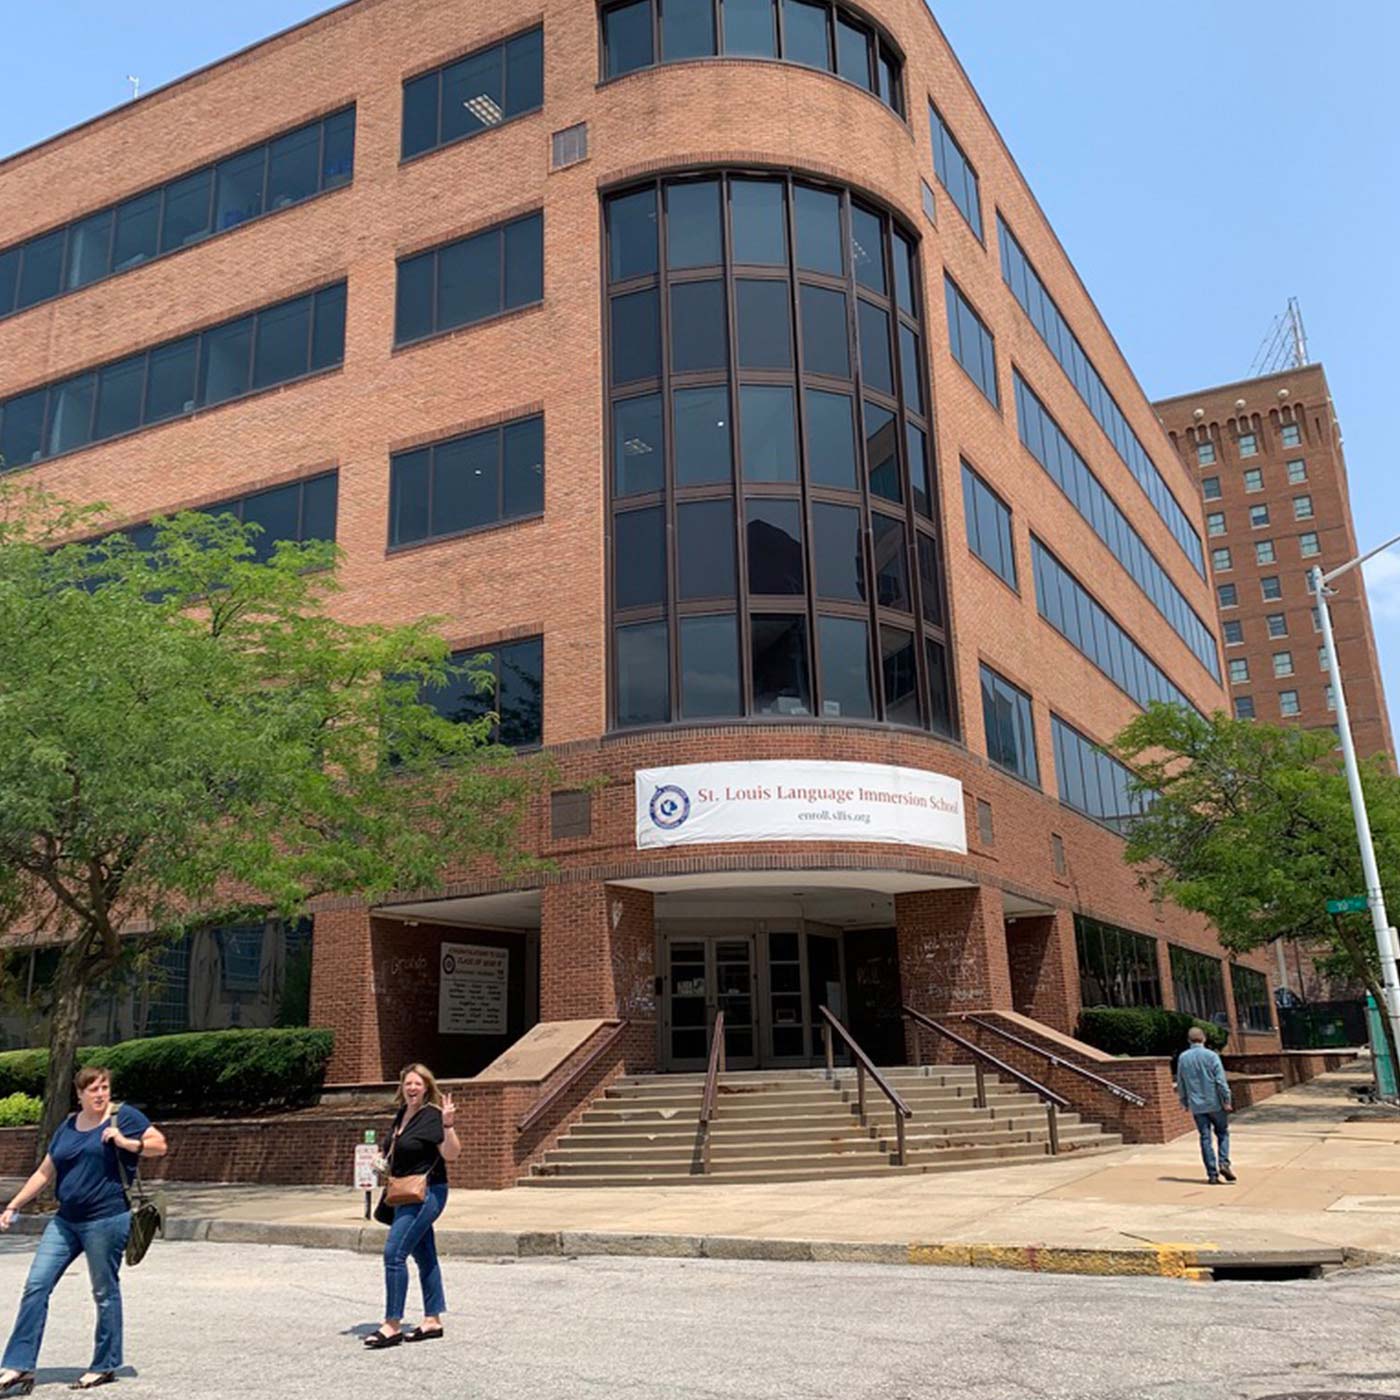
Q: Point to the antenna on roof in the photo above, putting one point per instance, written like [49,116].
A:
[135,85]
[1285,344]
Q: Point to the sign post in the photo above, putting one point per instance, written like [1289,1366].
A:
[365,1154]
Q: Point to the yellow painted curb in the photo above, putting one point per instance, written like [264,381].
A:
[1162,1261]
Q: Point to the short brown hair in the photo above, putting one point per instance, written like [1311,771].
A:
[89,1075]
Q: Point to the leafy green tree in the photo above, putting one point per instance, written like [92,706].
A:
[188,733]
[1252,827]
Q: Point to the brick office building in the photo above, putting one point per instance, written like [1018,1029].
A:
[1268,453]
[721,377]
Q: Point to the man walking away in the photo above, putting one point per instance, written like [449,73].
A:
[1205,1093]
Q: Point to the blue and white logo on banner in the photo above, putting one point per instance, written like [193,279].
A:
[670,806]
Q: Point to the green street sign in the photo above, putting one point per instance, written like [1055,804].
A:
[369,1136]
[1356,904]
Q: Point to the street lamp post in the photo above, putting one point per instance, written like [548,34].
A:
[1387,943]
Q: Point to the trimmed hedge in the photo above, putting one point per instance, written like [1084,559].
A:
[20,1110]
[219,1072]
[1144,1030]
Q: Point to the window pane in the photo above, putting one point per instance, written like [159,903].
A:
[781,671]
[891,563]
[818,231]
[70,414]
[186,211]
[904,274]
[9,280]
[328,336]
[699,336]
[709,666]
[292,167]
[41,269]
[522,450]
[525,73]
[899,669]
[643,674]
[465,491]
[875,364]
[627,37]
[919,483]
[774,532]
[927,554]
[524,262]
[845,653]
[408,496]
[748,28]
[758,215]
[413,304]
[420,114]
[836,542]
[318,507]
[852,53]
[276,513]
[138,223]
[473,94]
[825,333]
[687,29]
[805,32]
[703,452]
[768,433]
[119,397]
[520,703]
[868,248]
[170,380]
[239,189]
[765,324]
[283,343]
[941,718]
[831,452]
[469,280]
[225,361]
[639,557]
[881,452]
[632,235]
[636,337]
[705,549]
[22,430]
[338,150]
[692,225]
[638,461]
[911,369]
[89,244]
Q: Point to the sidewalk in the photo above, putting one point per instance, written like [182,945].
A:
[1319,1183]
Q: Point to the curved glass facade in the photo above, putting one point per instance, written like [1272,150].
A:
[774,539]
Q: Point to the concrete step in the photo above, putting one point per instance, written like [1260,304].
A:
[902,1072]
[817,1095]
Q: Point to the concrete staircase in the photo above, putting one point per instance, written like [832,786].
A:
[797,1125]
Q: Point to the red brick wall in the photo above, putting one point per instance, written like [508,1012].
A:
[1044,969]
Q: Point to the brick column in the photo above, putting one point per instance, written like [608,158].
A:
[1045,969]
[343,993]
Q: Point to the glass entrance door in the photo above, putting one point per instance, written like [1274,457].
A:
[703,977]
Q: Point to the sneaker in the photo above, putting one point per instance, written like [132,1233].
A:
[1227,1173]
[1212,1181]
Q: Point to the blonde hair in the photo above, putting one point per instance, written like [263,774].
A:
[431,1093]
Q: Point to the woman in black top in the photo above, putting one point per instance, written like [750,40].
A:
[423,1141]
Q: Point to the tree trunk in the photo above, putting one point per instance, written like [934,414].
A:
[65,1028]
[1351,945]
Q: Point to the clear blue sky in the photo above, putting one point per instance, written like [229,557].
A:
[1201,162]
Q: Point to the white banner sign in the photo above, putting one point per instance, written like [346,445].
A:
[472,989]
[366,1155]
[799,801]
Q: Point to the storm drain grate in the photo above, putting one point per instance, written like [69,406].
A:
[1265,1273]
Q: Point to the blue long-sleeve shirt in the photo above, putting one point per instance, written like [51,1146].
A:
[1200,1081]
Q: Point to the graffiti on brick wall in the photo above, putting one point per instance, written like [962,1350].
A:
[399,976]
[634,973]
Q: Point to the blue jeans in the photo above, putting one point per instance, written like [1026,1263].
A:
[103,1241]
[1217,1122]
[412,1234]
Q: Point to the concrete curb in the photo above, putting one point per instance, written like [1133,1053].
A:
[1181,1261]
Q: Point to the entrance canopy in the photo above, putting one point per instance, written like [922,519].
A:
[516,909]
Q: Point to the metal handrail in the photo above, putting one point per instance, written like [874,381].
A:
[538,1109]
[982,1058]
[1117,1090]
[864,1066]
[707,1102]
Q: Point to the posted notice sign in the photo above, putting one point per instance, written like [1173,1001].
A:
[781,800]
[472,989]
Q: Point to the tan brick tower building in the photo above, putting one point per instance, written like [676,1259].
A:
[714,368]
[1268,454]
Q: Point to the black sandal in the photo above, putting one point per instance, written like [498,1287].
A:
[101,1378]
[422,1334]
[377,1340]
[22,1383]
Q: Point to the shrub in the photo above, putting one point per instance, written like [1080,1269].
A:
[1144,1030]
[220,1072]
[19,1110]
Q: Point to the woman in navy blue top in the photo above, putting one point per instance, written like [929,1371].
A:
[93,1219]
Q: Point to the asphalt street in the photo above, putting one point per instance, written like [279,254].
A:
[206,1320]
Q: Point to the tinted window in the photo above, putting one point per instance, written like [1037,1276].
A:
[868,249]
[283,343]
[70,414]
[170,379]
[468,281]
[525,73]
[420,113]
[920,484]
[971,342]
[758,216]
[768,433]
[226,361]
[137,229]
[1006,715]
[839,558]
[881,451]
[292,167]
[328,332]
[413,302]
[911,369]
[337,150]
[473,94]
[238,189]
[806,29]
[632,235]
[845,677]
[891,563]
[119,397]
[699,338]
[954,172]
[831,457]
[692,225]
[186,218]
[89,250]
[639,558]
[775,547]
[687,29]
[988,525]
[825,333]
[818,231]
[875,364]
[638,460]
[636,337]
[522,452]
[41,269]
[709,666]
[409,474]
[22,430]
[749,29]
[781,670]
[643,675]
[900,676]
[852,52]
[627,37]
[705,549]
[703,436]
[765,324]
[465,483]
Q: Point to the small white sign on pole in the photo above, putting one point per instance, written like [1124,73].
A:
[472,982]
[366,1154]
[799,800]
